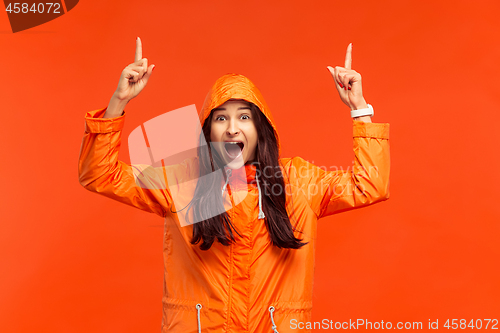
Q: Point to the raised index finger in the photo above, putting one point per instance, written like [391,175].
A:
[348,57]
[138,49]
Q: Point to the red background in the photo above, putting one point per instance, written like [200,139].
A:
[75,261]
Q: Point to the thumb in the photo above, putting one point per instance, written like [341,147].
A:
[148,73]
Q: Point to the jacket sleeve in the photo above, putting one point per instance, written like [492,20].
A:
[331,192]
[100,171]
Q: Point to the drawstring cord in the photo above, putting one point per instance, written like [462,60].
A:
[271,310]
[198,307]
[261,213]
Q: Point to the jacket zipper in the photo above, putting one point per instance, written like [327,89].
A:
[198,306]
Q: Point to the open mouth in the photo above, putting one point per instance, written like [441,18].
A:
[233,149]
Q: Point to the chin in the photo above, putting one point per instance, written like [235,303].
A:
[237,163]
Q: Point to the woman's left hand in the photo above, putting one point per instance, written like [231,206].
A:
[348,83]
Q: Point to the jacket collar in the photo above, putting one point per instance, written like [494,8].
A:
[242,177]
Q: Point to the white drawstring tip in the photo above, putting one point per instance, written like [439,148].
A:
[274,327]
[261,213]
[228,172]
[198,307]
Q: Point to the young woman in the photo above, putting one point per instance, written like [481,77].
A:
[250,267]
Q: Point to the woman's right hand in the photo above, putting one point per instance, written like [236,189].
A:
[134,77]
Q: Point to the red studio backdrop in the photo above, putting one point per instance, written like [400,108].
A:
[75,261]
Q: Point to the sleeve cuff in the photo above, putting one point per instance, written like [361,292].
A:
[95,123]
[370,130]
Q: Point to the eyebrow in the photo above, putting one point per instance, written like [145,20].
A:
[240,108]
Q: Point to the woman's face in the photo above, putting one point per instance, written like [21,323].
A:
[233,129]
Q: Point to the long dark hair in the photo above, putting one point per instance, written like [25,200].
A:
[208,195]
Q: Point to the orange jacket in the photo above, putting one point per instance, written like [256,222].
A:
[251,285]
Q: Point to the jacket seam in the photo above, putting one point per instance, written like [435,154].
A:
[230,282]
[299,187]
[329,202]
[248,271]
[230,294]
[184,304]
[108,158]
[370,137]
[109,152]
[290,205]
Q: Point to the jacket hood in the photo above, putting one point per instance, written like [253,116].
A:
[235,86]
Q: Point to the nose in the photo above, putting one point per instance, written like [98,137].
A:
[232,128]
